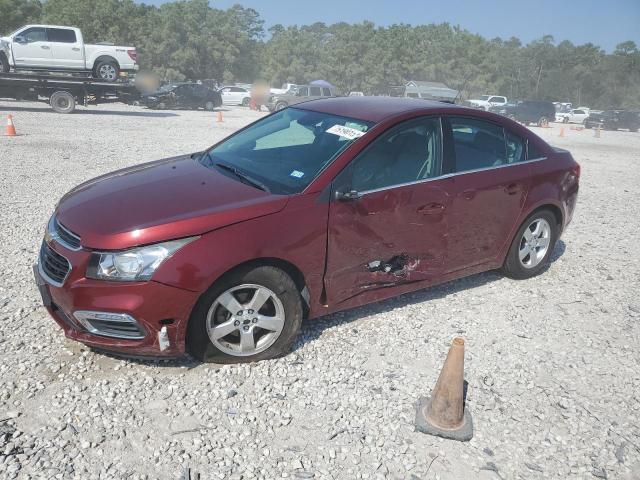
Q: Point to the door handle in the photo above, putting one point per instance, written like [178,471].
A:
[45,47]
[512,188]
[75,49]
[431,208]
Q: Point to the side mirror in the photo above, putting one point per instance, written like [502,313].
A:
[348,196]
[19,39]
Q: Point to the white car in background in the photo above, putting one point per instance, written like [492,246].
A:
[577,115]
[356,94]
[233,95]
[53,48]
[485,102]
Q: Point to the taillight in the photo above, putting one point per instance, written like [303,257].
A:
[132,55]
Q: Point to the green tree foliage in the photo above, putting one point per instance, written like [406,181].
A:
[190,39]
[15,13]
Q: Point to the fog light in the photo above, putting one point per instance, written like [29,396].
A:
[108,324]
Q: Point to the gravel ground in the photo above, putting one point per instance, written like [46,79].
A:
[552,363]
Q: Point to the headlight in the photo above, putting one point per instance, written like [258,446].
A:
[137,264]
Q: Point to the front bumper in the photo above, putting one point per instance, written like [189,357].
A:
[154,305]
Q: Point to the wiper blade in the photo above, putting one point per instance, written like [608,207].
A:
[243,176]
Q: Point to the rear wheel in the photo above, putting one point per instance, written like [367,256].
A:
[209,106]
[532,246]
[543,122]
[281,105]
[565,120]
[249,315]
[246,101]
[62,102]
[106,70]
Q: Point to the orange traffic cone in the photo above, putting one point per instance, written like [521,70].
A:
[444,414]
[11,129]
[219,117]
[561,132]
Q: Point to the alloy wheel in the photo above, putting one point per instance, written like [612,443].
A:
[245,320]
[534,243]
[107,72]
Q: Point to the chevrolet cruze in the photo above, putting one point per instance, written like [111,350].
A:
[316,208]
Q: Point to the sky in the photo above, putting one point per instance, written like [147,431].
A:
[602,22]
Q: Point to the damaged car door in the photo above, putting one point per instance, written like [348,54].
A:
[388,213]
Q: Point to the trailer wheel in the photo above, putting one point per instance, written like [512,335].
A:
[62,102]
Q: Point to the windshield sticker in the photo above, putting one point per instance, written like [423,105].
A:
[346,132]
[297,174]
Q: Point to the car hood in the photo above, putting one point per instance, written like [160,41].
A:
[167,199]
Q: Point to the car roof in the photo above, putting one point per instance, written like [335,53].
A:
[372,109]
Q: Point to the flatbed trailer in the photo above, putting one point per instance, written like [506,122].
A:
[64,93]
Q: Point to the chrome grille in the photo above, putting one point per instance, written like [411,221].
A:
[65,236]
[53,266]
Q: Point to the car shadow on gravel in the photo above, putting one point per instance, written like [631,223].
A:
[46,109]
[312,329]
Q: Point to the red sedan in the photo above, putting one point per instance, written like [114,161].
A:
[317,208]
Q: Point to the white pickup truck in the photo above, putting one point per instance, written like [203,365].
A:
[485,102]
[55,48]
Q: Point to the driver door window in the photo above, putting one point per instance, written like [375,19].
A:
[408,153]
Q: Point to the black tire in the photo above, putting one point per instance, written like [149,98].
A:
[198,343]
[107,71]
[62,102]
[565,120]
[512,266]
[4,64]
[209,106]
[543,122]
[246,101]
[281,106]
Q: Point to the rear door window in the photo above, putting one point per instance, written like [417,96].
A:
[533,152]
[516,148]
[61,35]
[326,92]
[315,91]
[477,144]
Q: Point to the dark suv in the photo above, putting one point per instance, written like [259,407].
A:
[614,120]
[528,111]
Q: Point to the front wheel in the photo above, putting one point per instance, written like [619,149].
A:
[209,106]
[249,315]
[281,106]
[532,246]
[4,64]
[543,122]
[106,70]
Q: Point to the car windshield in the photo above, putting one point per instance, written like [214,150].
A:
[285,151]
[167,88]
[484,97]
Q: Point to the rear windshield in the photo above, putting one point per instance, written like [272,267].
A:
[286,151]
